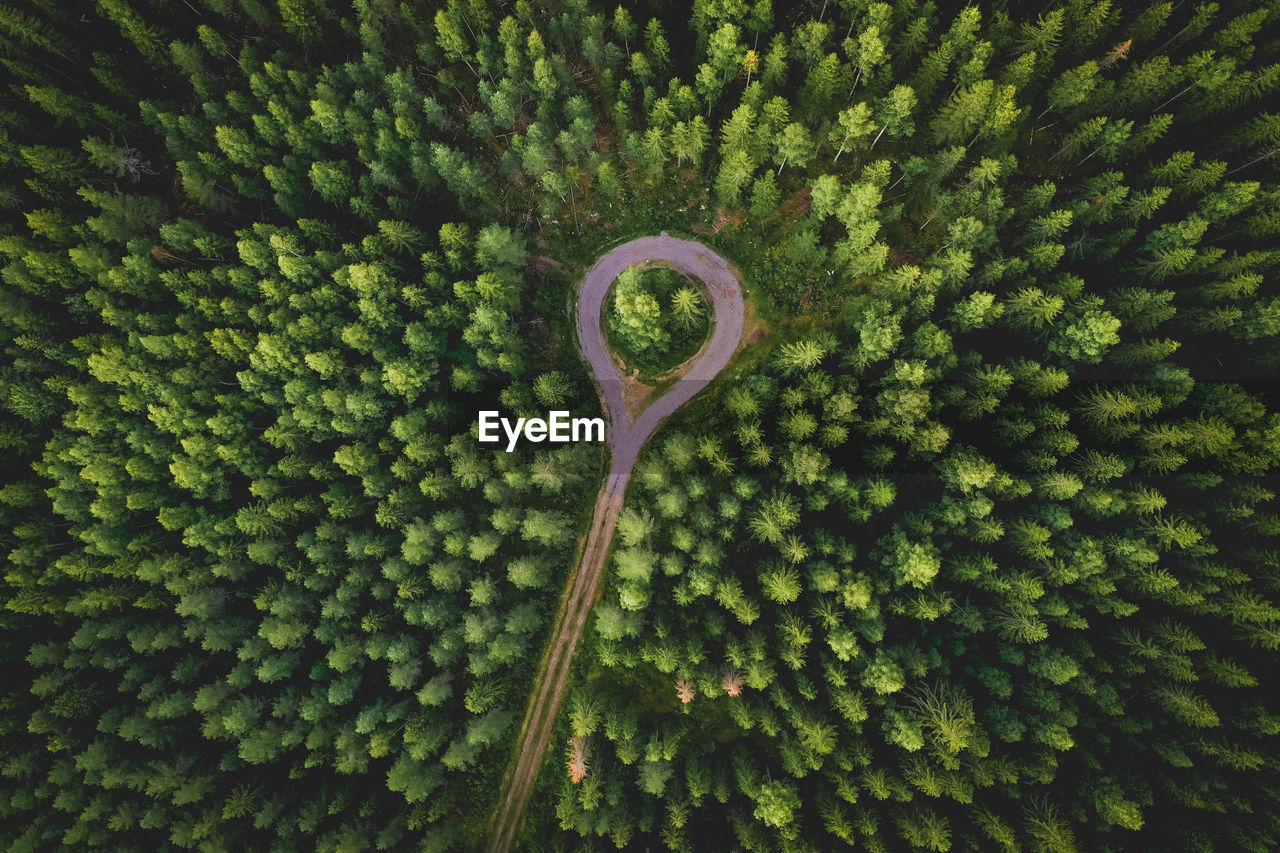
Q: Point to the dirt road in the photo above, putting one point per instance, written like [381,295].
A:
[626,438]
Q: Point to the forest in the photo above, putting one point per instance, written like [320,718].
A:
[976,546]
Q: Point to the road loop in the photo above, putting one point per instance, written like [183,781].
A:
[626,438]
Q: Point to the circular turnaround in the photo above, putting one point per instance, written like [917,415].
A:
[626,437]
[693,259]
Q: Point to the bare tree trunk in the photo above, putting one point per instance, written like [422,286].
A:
[1270,153]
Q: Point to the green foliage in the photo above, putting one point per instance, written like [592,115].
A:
[974,549]
[656,318]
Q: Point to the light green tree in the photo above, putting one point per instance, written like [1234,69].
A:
[636,316]
[687,305]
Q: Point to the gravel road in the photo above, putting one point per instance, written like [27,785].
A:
[626,438]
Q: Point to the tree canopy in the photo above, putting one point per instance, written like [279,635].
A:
[975,547]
